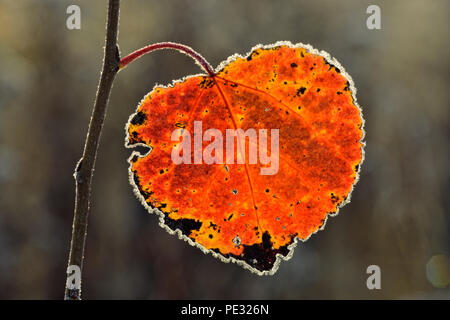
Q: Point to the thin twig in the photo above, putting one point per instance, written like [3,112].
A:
[85,167]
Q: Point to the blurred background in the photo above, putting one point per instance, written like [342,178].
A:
[399,215]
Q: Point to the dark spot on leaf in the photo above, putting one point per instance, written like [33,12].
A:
[262,256]
[184,225]
[334,199]
[347,86]
[212,225]
[206,83]
[139,118]
[301,91]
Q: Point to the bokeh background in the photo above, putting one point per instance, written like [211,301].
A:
[399,214]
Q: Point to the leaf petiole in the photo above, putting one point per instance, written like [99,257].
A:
[168,45]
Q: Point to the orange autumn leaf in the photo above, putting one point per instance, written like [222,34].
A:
[232,210]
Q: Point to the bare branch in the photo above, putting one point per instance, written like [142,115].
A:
[85,168]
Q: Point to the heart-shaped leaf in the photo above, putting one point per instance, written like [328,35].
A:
[232,209]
